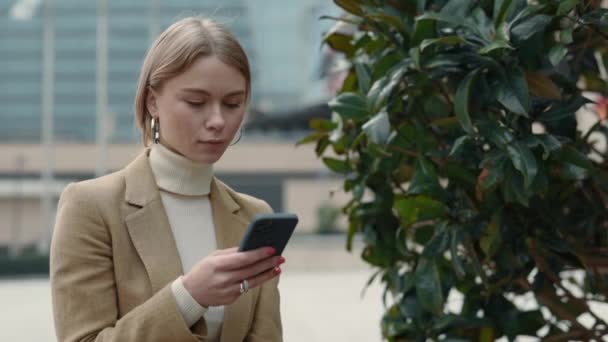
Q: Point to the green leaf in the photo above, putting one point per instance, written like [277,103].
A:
[364,76]
[447,40]
[513,188]
[337,165]
[438,243]
[457,264]
[351,6]
[425,180]
[428,286]
[423,29]
[557,53]
[565,35]
[496,174]
[501,13]
[322,145]
[340,42]
[412,209]
[495,45]
[523,160]
[458,144]
[315,136]
[454,20]
[490,240]
[513,92]
[349,106]
[528,28]
[565,6]
[322,125]
[498,135]
[547,141]
[461,102]
[574,165]
[378,128]
[562,110]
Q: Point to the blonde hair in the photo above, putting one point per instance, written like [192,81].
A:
[174,51]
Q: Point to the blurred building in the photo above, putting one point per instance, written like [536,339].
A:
[60,59]
[282,39]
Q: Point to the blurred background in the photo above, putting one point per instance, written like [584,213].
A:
[68,72]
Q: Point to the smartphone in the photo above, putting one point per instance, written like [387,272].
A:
[269,230]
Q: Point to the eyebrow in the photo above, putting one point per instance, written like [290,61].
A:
[204,92]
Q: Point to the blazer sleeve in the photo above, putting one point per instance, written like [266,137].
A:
[266,326]
[83,285]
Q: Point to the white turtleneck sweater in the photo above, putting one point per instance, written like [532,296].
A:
[184,190]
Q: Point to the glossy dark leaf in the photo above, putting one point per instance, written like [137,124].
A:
[461,102]
[364,76]
[350,106]
[513,92]
[447,40]
[495,45]
[563,110]
[340,42]
[547,141]
[565,6]
[491,236]
[574,164]
[458,144]
[322,125]
[501,8]
[428,286]
[456,259]
[351,6]
[439,242]
[412,209]
[557,53]
[337,165]
[523,160]
[528,28]
[312,137]
[378,128]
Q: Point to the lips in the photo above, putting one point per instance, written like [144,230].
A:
[212,141]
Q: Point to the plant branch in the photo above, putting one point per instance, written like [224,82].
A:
[543,267]
[592,27]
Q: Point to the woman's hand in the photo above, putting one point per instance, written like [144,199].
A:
[215,280]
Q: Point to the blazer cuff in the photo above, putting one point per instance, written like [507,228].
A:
[191,310]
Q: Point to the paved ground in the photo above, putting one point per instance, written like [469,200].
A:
[321,289]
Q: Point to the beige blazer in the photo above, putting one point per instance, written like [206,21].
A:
[113,259]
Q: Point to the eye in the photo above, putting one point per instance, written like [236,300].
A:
[195,104]
[232,105]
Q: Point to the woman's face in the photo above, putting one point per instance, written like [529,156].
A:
[201,109]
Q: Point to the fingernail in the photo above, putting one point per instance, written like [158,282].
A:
[271,251]
[280,261]
[276,271]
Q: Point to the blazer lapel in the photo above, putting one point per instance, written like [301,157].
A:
[230,226]
[148,225]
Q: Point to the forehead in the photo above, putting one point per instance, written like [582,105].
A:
[210,74]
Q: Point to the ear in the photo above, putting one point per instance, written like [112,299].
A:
[151,103]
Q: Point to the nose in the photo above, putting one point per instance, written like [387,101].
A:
[215,120]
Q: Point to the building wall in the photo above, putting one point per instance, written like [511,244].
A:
[281,38]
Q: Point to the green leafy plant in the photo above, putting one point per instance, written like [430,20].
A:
[456,133]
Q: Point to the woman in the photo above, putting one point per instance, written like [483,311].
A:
[143,254]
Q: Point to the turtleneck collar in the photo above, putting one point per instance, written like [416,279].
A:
[178,174]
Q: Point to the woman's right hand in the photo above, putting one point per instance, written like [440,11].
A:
[215,280]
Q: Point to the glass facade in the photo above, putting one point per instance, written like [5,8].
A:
[282,39]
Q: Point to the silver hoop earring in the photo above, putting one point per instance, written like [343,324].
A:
[155,130]
[239,138]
